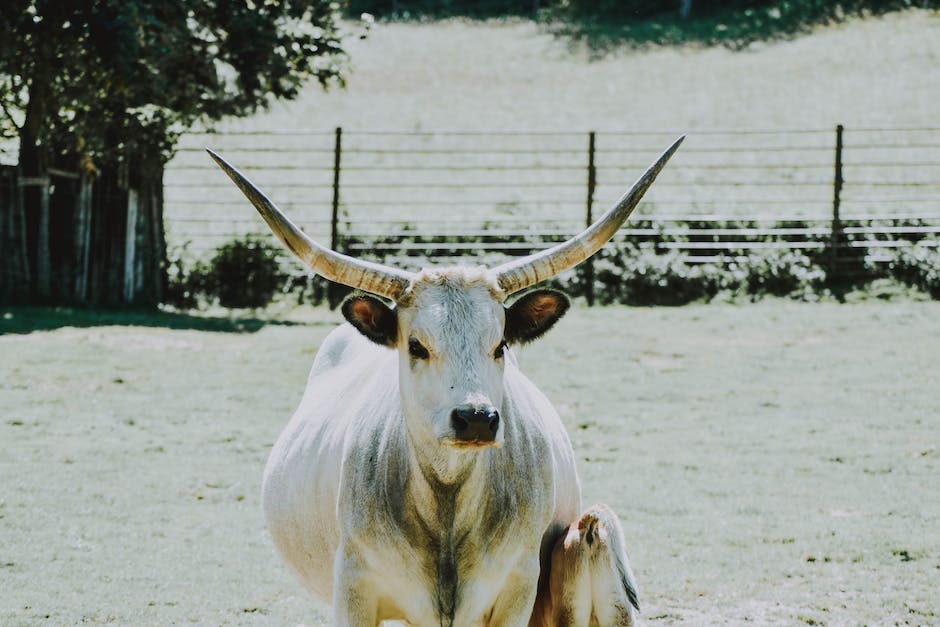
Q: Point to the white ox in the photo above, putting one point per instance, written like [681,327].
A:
[423,477]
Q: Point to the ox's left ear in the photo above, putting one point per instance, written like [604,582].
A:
[534,314]
[373,318]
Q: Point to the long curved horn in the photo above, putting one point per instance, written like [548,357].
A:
[521,273]
[356,273]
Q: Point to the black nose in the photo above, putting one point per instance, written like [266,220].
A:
[475,424]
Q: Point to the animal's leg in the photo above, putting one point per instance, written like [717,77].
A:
[590,573]
[354,600]
[514,605]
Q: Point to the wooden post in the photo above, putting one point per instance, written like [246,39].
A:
[43,259]
[14,262]
[43,252]
[334,218]
[82,237]
[589,219]
[21,214]
[836,234]
[130,247]
[157,260]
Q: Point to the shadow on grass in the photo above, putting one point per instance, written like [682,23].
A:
[29,319]
[735,28]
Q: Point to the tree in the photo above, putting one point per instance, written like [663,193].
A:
[96,92]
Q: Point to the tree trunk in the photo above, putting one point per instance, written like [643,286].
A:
[146,282]
[685,9]
[14,265]
[34,192]
[82,238]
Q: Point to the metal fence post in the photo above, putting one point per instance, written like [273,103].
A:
[334,218]
[334,291]
[835,239]
[589,219]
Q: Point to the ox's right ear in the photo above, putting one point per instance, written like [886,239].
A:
[373,318]
[534,314]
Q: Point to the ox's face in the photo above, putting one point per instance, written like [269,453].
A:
[451,332]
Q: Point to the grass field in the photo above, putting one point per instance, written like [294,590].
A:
[773,463]
[504,75]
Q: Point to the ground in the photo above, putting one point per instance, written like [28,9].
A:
[772,463]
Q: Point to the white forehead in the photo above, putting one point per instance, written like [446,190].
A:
[455,305]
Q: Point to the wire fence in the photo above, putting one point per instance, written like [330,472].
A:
[726,190]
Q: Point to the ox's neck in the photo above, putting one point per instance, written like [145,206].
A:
[449,500]
[446,481]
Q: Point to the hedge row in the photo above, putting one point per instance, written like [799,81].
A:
[247,273]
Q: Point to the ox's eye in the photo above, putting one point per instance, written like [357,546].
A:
[500,350]
[417,350]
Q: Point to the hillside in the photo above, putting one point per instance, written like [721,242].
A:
[509,75]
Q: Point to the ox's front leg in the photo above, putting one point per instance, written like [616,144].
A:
[355,603]
[514,603]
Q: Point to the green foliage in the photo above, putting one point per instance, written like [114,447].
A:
[918,266]
[185,282]
[105,87]
[779,272]
[437,9]
[606,24]
[244,273]
[106,77]
[636,275]
[630,273]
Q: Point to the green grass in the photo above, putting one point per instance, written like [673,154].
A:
[773,463]
[30,319]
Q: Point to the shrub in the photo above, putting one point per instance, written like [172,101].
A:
[244,273]
[313,289]
[633,275]
[607,24]
[636,275]
[779,272]
[917,266]
[186,283]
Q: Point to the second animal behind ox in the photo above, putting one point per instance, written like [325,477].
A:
[424,477]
